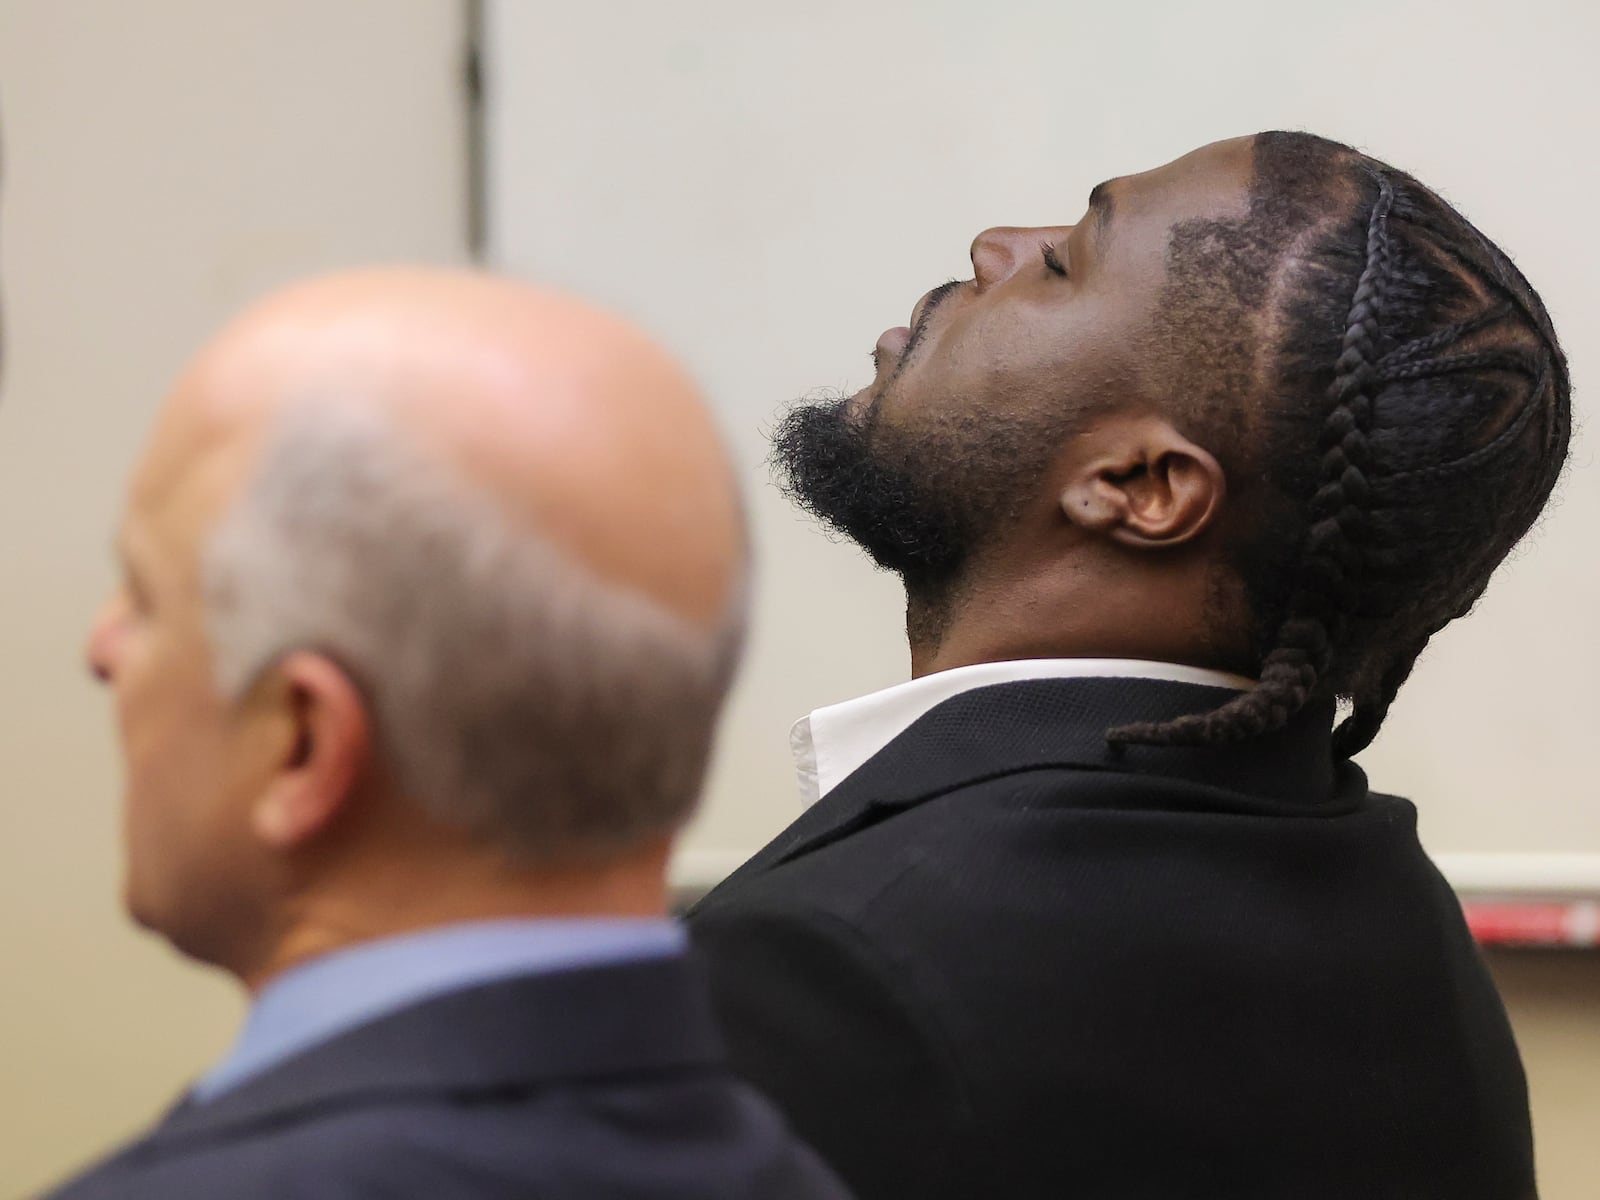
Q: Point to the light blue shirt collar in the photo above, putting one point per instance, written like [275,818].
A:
[315,1001]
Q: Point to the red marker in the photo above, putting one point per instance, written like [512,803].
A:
[1533,923]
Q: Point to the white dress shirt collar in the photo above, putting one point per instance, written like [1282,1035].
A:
[833,742]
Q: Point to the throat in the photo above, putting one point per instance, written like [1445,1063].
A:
[929,620]
[978,624]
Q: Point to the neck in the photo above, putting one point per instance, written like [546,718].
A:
[398,897]
[1059,614]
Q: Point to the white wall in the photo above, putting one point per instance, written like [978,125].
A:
[769,186]
[163,162]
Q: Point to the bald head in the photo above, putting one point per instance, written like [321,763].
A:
[575,423]
[429,576]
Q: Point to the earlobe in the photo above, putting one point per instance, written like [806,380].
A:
[324,760]
[282,819]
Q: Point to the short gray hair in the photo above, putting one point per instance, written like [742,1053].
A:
[514,693]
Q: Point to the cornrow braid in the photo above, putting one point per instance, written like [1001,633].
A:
[1331,560]
[1423,368]
[1444,338]
[1356,732]
[1470,460]
[1404,439]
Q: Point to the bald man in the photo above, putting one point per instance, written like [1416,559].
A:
[433,585]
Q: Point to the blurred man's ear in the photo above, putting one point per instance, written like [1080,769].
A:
[1138,481]
[324,757]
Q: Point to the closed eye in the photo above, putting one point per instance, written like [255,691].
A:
[1052,261]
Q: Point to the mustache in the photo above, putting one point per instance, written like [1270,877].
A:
[929,304]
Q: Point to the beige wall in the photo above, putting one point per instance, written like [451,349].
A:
[164,160]
[1553,997]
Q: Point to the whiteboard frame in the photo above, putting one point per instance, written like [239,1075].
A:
[1565,876]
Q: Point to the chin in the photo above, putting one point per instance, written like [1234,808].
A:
[151,918]
[862,408]
[166,922]
[137,907]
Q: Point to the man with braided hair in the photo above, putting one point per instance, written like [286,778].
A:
[1096,904]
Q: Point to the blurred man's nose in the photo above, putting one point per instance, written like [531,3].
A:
[104,634]
[997,253]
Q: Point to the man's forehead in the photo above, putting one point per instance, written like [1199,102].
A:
[178,448]
[1213,181]
[1219,173]
[192,465]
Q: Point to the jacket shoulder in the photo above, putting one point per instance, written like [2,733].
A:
[705,1138]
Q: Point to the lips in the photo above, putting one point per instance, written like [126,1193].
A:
[898,342]
[892,342]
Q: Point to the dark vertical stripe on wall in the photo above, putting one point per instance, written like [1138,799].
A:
[472,90]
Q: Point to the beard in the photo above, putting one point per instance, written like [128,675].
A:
[922,504]
[824,461]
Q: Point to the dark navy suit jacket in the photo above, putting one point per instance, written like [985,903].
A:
[601,1082]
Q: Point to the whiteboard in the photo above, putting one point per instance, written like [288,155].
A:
[767,186]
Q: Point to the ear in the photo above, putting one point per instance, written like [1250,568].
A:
[1138,481]
[324,759]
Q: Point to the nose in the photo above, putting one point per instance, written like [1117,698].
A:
[997,253]
[105,634]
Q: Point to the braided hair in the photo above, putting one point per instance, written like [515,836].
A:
[1414,417]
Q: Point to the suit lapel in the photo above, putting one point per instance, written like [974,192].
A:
[519,1034]
[1009,728]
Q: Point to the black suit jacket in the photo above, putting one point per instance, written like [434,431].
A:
[1003,960]
[606,1082]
